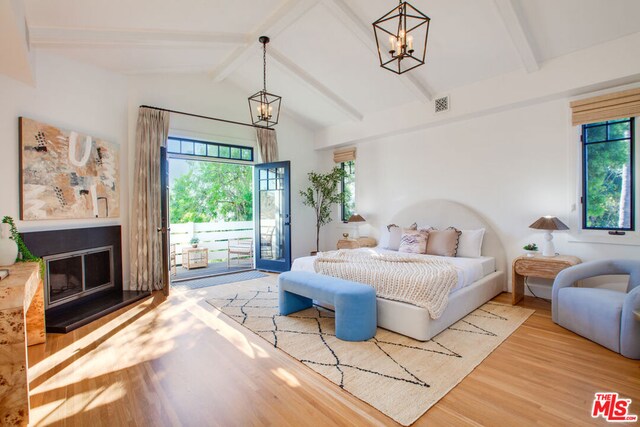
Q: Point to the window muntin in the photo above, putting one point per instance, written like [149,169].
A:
[608,175]
[349,188]
[216,150]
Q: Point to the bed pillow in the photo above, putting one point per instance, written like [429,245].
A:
[470,244]
[414,241]
[395,236]
[443,242]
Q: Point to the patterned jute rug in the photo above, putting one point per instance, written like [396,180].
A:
[397,375]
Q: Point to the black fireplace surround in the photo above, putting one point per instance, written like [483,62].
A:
[70,315]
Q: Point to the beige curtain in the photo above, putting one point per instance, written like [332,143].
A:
[268,145]
[146,248]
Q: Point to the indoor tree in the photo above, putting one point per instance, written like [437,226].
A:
[321,195]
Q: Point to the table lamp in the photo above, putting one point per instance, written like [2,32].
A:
[549,223]
[356,218]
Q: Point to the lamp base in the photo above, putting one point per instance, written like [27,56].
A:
[548,249]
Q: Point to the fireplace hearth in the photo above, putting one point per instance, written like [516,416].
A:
[83,274]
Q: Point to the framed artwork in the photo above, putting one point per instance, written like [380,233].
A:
[66,175]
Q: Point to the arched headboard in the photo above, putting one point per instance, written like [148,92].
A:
[441,214]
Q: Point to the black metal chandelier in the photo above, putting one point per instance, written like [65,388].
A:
[401,36]
[264,106]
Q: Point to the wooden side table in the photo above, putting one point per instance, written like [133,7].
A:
[195,258]
[537,266]
[348,244]
[361,242]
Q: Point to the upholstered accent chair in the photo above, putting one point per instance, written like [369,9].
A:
[610,318]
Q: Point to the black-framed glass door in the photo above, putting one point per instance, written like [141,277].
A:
[272,216]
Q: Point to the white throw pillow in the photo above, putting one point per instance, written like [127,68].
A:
[470,243]
[383,240]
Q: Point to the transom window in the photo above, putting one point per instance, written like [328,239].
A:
[608,175]
[216,150]
[349,189]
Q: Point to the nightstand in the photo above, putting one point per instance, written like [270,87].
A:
[537,266]
[361,242]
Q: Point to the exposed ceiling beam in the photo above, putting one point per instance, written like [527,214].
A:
[295,70]
[85,37]
[519,37]
[364,32]
[288,13]
[17,61]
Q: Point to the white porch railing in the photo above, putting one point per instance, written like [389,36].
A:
[212,235]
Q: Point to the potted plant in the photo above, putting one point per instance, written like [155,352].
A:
[321,195]
[194,241]
[530,249]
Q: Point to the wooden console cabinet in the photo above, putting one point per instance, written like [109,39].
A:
[22,323]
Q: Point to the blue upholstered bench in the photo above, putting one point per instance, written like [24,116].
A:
[355,303]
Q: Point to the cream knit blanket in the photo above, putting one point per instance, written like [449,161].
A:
[420,280]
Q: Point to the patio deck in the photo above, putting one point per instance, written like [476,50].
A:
[214,268]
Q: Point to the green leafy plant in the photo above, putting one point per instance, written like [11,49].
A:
[194,240]
[24,254]
[530,247]
[321,195]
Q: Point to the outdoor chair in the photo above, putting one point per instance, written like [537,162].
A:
[241,248]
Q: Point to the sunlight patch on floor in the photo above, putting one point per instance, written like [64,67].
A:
[287,377]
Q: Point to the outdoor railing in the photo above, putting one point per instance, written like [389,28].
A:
[212,235]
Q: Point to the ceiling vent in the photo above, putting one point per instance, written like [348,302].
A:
[442,104]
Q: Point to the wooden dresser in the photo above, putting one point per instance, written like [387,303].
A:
[21,324]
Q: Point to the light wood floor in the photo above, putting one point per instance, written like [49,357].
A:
[180,362]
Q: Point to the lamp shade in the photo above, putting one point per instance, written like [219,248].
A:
[549,223]
[356,218]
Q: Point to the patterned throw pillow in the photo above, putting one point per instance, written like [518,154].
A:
[414,241]
[443,242]
[395,235]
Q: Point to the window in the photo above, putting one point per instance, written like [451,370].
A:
[215,150]
[349,188]
[607,175]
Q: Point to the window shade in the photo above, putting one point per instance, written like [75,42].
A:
[344,155]
[606,107]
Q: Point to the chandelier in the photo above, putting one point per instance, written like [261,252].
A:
[401,37]
[264,106]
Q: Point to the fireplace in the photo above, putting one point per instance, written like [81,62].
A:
[83,274]
[73,275]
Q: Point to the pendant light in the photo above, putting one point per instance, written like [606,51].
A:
[264,106]
[401,37]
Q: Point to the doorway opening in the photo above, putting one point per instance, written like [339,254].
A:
[210,209]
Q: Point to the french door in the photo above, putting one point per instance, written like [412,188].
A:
[164,218]
[272,217]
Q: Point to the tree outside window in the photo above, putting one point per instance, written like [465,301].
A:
[349,189]
[608,200]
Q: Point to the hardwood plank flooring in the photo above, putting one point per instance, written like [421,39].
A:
[178,361]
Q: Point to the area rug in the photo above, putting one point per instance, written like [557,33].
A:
[218,280]
[397,375]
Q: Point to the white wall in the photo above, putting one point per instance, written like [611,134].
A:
[68,95]
[200,95]
[512,167]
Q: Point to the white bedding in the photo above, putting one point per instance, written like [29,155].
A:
[469,269]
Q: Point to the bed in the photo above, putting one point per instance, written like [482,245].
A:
[479,279]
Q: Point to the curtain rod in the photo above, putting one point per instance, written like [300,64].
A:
[204,117]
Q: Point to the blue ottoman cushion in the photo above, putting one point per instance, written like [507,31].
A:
[355,303]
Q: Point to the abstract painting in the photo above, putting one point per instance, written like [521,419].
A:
[66,174]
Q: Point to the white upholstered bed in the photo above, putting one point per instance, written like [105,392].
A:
[480,279]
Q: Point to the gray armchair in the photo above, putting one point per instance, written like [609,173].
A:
[605,316]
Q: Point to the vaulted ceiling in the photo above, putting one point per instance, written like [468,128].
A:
[322,57]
